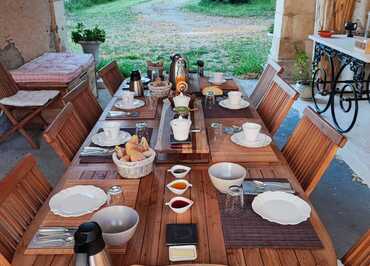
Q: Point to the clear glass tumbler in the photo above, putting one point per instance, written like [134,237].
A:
[234,199]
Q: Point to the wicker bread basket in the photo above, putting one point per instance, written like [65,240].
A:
[134,169]
[160,91]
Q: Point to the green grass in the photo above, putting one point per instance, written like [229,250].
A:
[80,4]
[217,8]
[239,55]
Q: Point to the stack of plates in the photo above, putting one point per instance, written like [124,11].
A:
[262,140]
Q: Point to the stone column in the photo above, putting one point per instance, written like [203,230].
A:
[294,21]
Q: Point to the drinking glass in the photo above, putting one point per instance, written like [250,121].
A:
[234,199]
[217,130]
[141,130]
[210,99]
[115,196]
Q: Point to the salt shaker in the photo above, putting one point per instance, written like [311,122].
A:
[115,196]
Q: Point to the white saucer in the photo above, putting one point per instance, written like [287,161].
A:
[226,104]
[135,104]
[262,140]
[101,140]
[217,82]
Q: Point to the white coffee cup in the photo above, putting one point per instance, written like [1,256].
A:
[180,128]
[218,76]
[235,97]
[251,130]
[128,98]
[111,132]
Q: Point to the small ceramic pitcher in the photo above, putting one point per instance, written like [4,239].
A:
[181,100]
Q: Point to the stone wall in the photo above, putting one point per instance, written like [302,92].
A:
[25,30]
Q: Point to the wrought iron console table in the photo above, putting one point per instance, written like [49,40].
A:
[329,90]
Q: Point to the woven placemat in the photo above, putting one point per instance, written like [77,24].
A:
[245,229]
[216,111]
[108,158]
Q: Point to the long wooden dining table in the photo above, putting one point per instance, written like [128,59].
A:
[148,196]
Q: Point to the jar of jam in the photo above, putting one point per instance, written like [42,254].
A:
[115,196]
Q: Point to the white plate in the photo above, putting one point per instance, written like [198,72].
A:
[101,140]
[262,140]
[281,207]
[182,253]
[218,82]
[137,103]
[78,200]
[226,104]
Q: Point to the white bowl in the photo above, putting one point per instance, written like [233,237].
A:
[224,175]
[180,210]
[173,169]
[176,190]
[118,224]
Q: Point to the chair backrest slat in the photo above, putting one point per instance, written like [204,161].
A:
[8,86]
[276,103]
[22,193]
[359,254]
[85,104]
[112,77]
[271,69]
[311,148]
[66,133]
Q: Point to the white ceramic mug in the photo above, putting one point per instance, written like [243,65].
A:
[111,132]
[235,97]
[128,98]
[251,130]
[218,76]
[180,128]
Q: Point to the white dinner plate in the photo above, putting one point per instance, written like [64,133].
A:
[100,139]
[226,104]
[262,140]
[217,82]
[137,103]
[77,201]
[281,207]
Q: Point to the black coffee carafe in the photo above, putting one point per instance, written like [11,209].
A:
[90,246]
[136,84]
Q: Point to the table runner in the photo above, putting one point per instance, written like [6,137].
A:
[108,158]
[244,228]
[216,111]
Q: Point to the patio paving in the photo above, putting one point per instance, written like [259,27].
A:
[343,205]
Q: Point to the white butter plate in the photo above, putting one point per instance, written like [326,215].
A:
[262,140]
[281,207]
[182,253]
[226,104]
[217,82]
[101,139]
[77,201]
[137,103]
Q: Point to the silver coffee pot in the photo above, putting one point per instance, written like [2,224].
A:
[135,83]
[90,246]
[178,68]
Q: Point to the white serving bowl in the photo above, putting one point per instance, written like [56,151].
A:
[118,224]
[224,175]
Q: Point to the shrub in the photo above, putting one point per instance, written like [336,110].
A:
[80,33]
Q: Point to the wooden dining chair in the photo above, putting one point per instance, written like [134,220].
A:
[112,77]
[359,254]
[66,133]
[22,193]
[276,103]
[311,148]
[85,104]
[271,69]
[30,103]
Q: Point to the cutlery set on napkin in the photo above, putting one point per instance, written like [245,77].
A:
[255,187]
[53,237]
